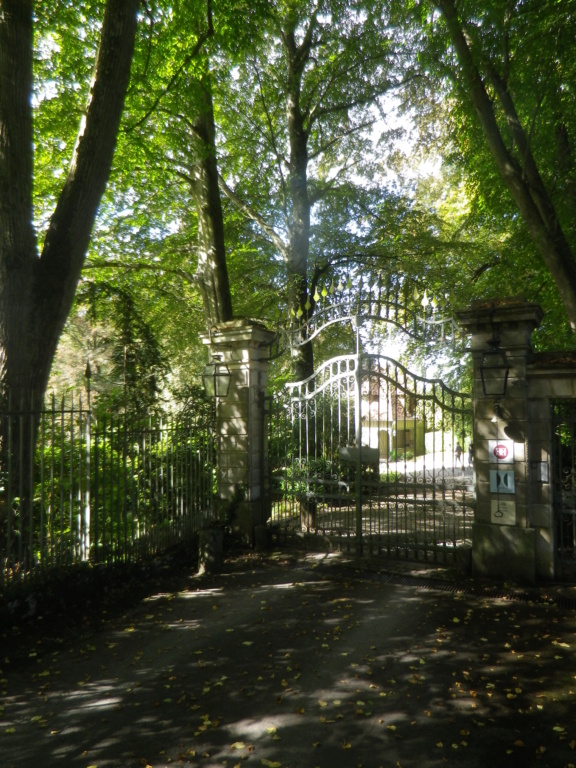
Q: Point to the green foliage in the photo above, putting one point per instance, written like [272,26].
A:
[109,488]
[66,40]
[451,230]
[526,47]
[138,365]
[308,476]
[337,91]
[401,455]
[112,332]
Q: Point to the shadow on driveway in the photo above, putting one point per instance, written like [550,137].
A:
[301,664]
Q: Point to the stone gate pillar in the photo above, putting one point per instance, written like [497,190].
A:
[504,539]
[240,423]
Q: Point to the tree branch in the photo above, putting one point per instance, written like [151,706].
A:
[189,277]
[280,160]
[338,138]
[527,189]
[192,55]
[254,216]
[71,224]
[484,268]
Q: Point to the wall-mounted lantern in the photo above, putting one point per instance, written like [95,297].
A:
[494,369]
[217,377]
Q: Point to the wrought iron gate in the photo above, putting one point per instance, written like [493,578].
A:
[564,481]
[373,457]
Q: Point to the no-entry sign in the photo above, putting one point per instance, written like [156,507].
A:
[501,451]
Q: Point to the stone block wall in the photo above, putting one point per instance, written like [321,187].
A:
[240,422]
[519,543]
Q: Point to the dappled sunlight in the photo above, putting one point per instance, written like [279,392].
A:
[263,668]
[261,728]
[193,595]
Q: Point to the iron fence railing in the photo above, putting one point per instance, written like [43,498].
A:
[74,488]
[564,482]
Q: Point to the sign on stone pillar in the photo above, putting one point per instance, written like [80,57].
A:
[501,451]
[502,483]
[503,540]
[240,424]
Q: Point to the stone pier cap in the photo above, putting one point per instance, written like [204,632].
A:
[237,330]
[503,317]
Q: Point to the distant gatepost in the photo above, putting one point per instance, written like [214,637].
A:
[519,518]
[242,345]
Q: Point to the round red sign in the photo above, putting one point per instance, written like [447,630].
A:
[501,452]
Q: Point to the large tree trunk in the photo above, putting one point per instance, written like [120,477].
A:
[18,257]
[212,272]
[521,176]
[297,252]
[37,291]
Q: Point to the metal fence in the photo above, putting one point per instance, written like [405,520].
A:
[74,488]
[564,483]
[374,458]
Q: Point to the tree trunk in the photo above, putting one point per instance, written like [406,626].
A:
[36,292]
[18,257]
[299,227]
[521,177]
[212,272]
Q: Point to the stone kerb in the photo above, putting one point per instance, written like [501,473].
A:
[240,423]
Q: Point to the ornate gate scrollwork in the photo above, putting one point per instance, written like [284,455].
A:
[373,457]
